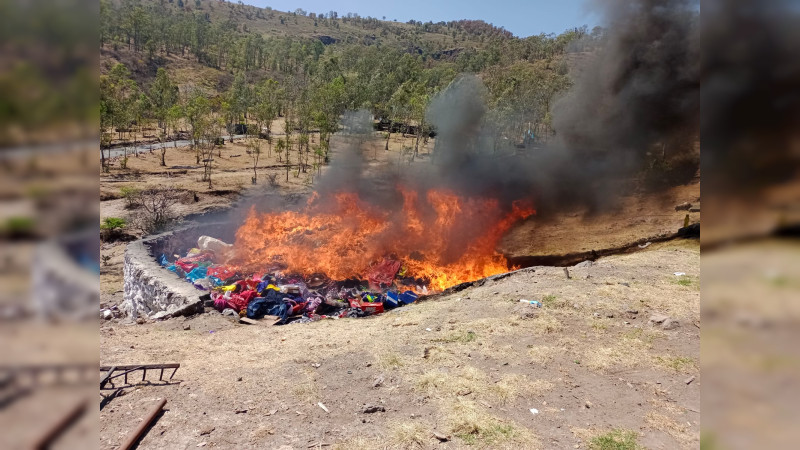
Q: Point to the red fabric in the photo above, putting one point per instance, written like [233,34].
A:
[203,256]
[383,273]
[297,308]
[185,266]
[239,302]
[221,272]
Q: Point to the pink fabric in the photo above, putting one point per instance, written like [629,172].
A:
[383,273]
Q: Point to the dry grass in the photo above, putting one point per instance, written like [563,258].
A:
[546,324]
[474,426]
[677,363]
[391,361]
[541,354]
[623,353]
[473,381]
[407,435]
[679,431]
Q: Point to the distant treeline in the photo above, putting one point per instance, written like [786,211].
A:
[391,69]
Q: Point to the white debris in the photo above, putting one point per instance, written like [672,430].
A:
[534,411]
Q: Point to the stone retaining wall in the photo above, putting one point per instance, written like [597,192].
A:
[151,290]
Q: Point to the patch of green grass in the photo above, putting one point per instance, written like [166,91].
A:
[489,434]
[462,337]
[549,300]
[676,363]
[688,281]
[615,440]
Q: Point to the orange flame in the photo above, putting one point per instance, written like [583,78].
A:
[446,239]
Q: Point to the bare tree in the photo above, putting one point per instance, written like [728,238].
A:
[157,209]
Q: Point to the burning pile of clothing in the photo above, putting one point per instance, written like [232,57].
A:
[291,298]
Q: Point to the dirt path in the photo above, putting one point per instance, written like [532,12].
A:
[470,365]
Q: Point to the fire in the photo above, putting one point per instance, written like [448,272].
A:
[438,236]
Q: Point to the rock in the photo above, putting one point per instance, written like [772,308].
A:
[609,315]
[161,315]
[685,206]
[441,437]
[694,209]
[658,318]
[187,327]
[206,430]
[588,404]
[378,381]
[213,244]
[370,409]
[140,320]
[670,324]
[689,380]
[586,263]
[107,314]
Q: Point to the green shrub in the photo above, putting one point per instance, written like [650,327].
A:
[113,223]
[131,196]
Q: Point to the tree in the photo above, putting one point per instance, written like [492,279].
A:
[118,97]
[198,111]
[163,95]
[279,147]
[254,151]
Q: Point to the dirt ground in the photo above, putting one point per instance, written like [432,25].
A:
[470,366]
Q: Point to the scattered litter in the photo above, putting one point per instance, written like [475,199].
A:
[271,412]
[534,411]
[534,303]
[428,329]
[645,245]
[689,380]
[202,444]
[370,409]
[323,407]
[680,274]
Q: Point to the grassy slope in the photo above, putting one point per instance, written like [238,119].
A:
[188,71]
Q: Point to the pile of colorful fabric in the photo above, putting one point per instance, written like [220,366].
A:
[288,297]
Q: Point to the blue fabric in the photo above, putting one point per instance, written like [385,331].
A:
[408,297]
[163,260]
[392,300]
[216,281]
[173,268]
[271,304]
[196,274]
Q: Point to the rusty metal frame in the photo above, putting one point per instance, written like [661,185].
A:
[113,372]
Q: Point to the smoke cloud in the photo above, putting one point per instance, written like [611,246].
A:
[639,96]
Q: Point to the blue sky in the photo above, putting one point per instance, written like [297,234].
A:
[521,17]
